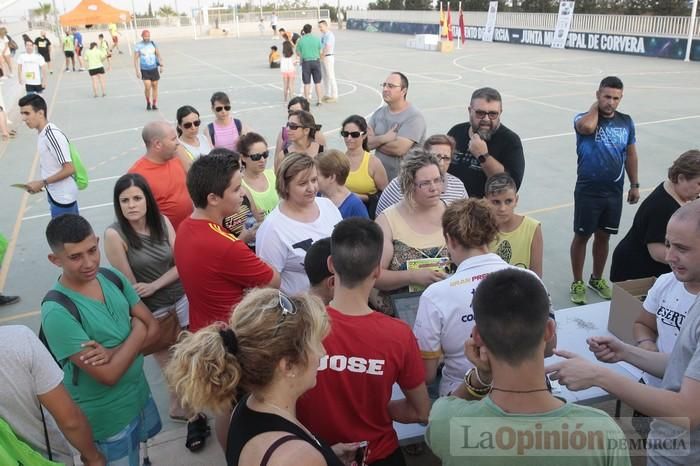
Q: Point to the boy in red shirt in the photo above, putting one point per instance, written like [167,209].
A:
[367,353]
[215,267]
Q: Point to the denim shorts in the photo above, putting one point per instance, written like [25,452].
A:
[123,448]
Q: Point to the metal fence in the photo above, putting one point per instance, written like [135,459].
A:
[228,16]
[664,26]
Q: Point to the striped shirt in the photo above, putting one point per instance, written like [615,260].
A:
[454,189]
[54,151]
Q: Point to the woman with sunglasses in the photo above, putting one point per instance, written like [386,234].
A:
[192,141]
[413,230]
[300,219]
[270,351]
[224,131]
[367,174]
[258,181]
[301,128]
[283,142]
[140,245]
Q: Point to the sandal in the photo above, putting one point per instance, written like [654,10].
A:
[197,433]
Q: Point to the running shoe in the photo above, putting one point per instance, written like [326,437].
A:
[600,286]
[154,107]
[148,106]
[578,292]
[7,300]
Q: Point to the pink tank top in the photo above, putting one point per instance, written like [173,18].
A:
[226,136]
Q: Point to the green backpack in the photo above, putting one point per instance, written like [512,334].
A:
[80,176]
[15,452]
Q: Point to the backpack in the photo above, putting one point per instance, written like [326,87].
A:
[68,304]
[210,128]
[80,176]
[16,452]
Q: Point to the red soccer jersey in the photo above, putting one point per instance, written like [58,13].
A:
[366,356]
[168,183]
[215,269]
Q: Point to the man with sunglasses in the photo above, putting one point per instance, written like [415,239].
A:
[485,147]
[396,127]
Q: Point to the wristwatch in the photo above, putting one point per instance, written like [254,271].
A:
[634,185]
[482,158]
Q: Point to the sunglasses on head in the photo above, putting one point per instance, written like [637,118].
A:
[220,108]
[293,126]
[190,124]
[286,306]
[352,134]
[261,155]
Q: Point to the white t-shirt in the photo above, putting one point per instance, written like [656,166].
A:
[28,370]
[445,317]
[53,153]
[31,67]
[669,301]
[195,152]
[282,242]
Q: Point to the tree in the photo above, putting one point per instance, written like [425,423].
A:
[418,5]
[150,10]
[396,5]
[166,11]
[379,5]
[44,10]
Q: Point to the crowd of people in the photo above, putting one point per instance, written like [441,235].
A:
[265,288]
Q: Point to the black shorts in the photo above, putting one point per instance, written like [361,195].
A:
[94,71]
[150,75]
[37,88]
[274,27]
[311,68]
[594,212]
[68,53]
[45,56]
[79,51]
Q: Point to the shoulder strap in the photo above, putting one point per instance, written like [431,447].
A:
[46,432]
[210,127]
[112,277]
[239,125]
[275,445]
[64,301]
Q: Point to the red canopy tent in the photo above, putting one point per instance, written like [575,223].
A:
[94,12]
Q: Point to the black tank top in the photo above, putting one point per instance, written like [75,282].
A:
[246,424]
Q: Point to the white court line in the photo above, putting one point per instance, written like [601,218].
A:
[95,206]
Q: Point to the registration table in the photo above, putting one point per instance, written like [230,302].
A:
[574,326]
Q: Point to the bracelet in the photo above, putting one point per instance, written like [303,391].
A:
[634,185]
[478,378]
[645,339]
[471,388]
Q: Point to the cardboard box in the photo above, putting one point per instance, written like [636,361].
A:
[626,305]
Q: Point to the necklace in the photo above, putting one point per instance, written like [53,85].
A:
[520,391]
[287,416]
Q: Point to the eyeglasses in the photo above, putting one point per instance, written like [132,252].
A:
[294,126]
[352,134]
[286,305]
[389,85]
[261,155]
[425,185]
[481,114]
[442,157]
[225,107]
[189,124]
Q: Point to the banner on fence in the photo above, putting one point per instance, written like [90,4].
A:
[566,15]
[490,22]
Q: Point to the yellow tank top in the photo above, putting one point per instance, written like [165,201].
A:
[514,247]
[360,181]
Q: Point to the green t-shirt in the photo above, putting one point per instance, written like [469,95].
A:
[94,58]
[108,409]
[479,433]
[68,43]
[309,47]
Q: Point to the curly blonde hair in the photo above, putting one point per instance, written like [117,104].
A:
[470,222]
[206,375]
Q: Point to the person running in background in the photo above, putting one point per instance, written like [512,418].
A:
[78,46]
[114,32]
[96,68]
[31,69]
[43,47]
[69,49]
[149,65]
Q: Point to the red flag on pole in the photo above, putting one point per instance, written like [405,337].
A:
[462,31]
[450,36]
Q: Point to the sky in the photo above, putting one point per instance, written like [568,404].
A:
[20,7]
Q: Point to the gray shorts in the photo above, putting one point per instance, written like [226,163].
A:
[182,307]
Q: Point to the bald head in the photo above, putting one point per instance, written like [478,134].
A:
[153,131]
[690,212]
